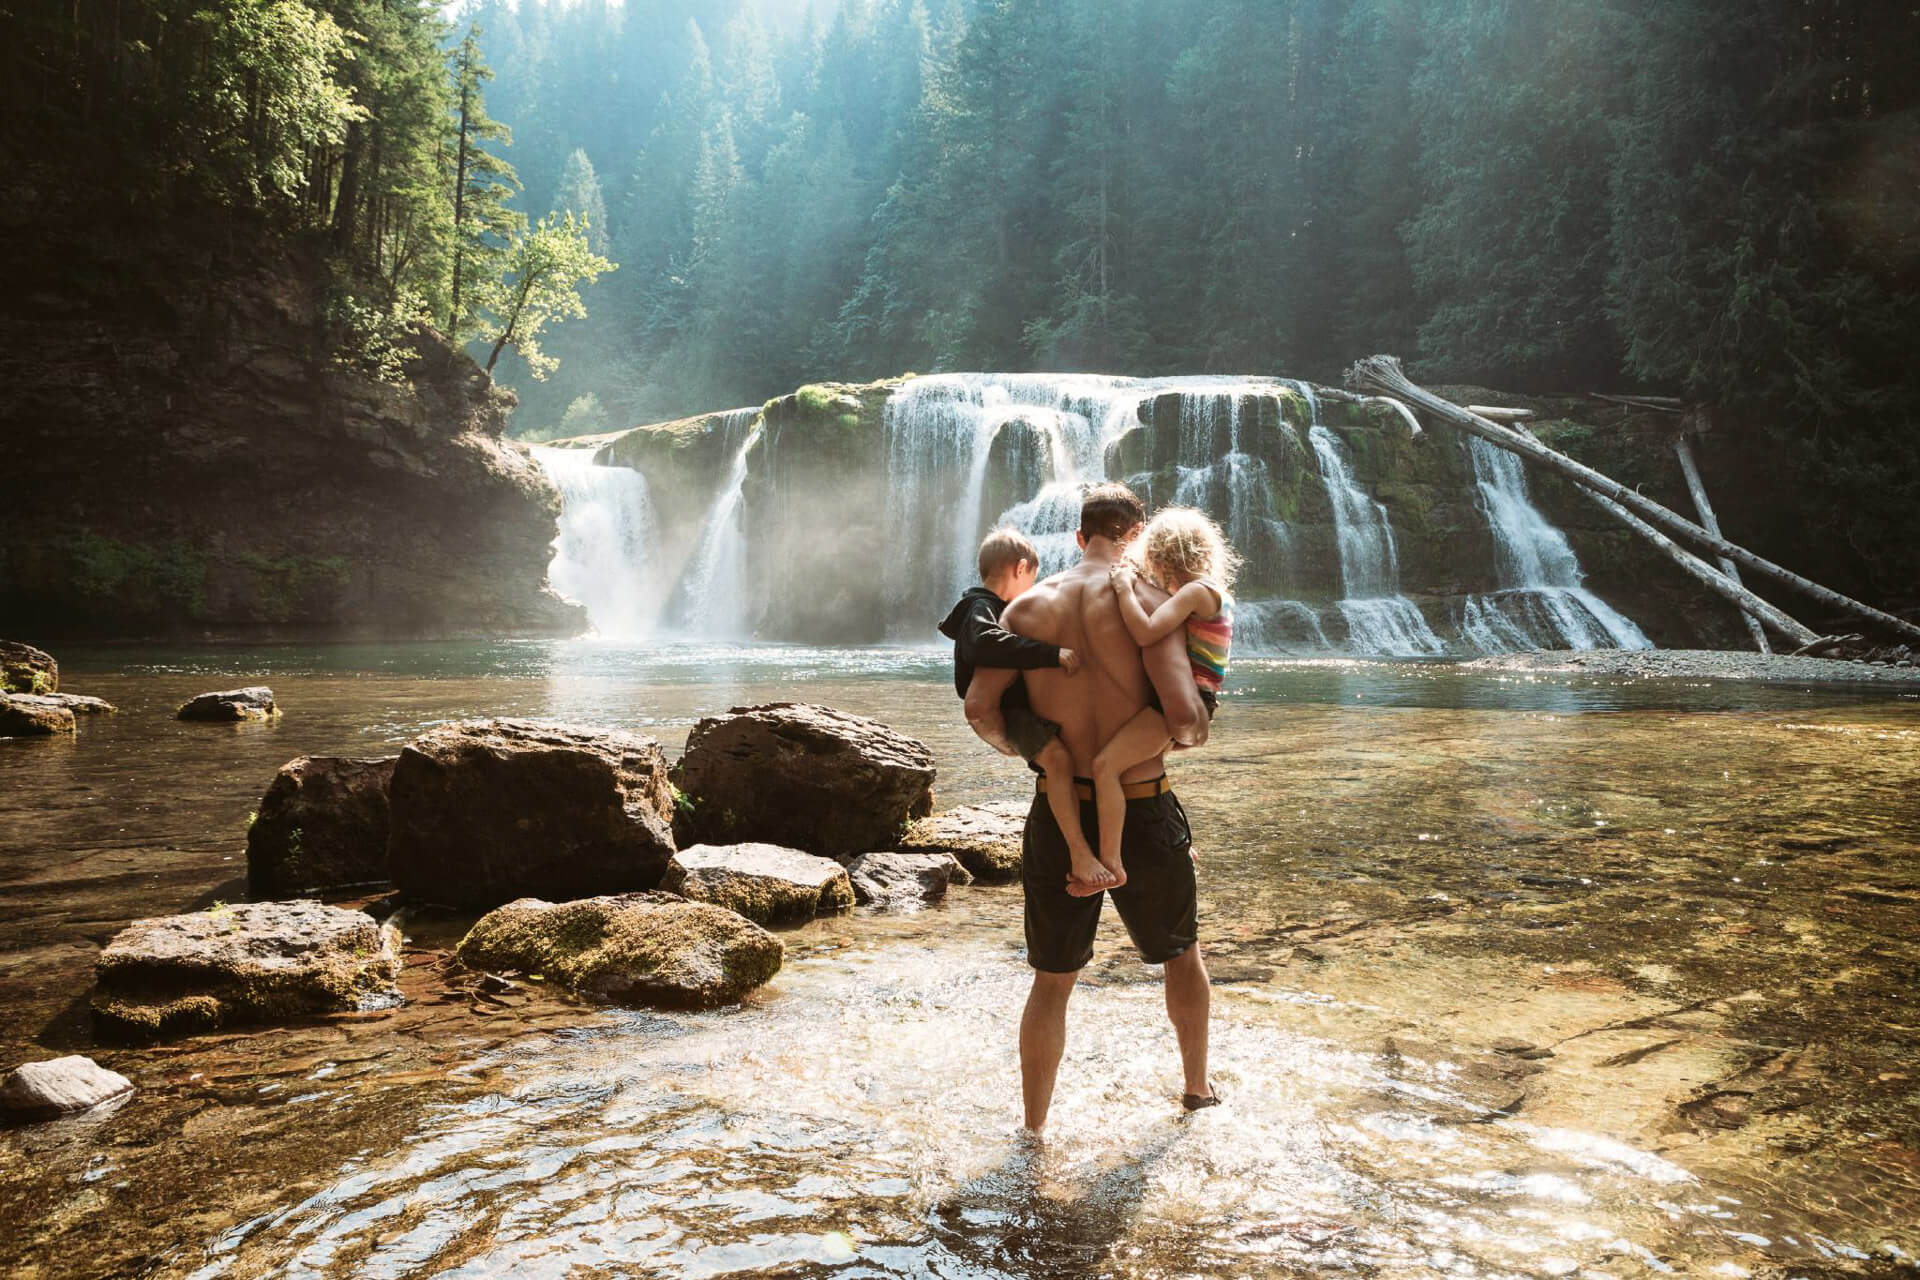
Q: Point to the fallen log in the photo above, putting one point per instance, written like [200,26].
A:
[1384,374]
[1495,413]
[1659,404]
[1697,487]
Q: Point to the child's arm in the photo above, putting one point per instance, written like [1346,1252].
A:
[984,692]
[1170,616]
[985,643]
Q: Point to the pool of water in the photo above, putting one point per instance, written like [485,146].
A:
[1538,976]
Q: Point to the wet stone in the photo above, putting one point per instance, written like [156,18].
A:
[32,718]
[1522,1049]
[25,669]
[78,703]
[904,881]
[763,882]
[637,948]
[255,702]
[322,824]
[985,839]
[250,962]
[60,1086]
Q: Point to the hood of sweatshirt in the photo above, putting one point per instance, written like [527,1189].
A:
[963,609]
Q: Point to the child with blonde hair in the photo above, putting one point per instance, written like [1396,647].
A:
[1185,552]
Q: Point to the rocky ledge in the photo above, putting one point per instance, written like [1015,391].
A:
[1693,664]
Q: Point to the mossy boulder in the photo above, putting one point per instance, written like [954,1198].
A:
[251,962]
[804,776]
[31,717]
[25,669]
[486,811]
[983,838]
[322,824]
[763,882]
[639,948]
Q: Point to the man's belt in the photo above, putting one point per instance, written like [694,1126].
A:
[1131,790]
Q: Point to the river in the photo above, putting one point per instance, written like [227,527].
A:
[1513,976]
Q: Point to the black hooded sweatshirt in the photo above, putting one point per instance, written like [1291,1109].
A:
[980,641]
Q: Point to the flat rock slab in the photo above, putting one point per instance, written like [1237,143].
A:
[805,777]
[763,882]
[25,669]
[640,948]
[252,962]
[903,881]
[322,824]
[60,1087]
[255,702]
[985,838]
[78,703]
[29,717]
[487,811]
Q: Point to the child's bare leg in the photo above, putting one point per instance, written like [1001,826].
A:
[1141,738]
[1065,803]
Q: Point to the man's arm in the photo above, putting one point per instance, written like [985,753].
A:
[983,707]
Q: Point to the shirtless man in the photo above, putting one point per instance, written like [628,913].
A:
[1157,903]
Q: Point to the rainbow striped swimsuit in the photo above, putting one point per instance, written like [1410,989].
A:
[1209,642]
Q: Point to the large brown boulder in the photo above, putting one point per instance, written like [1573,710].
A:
[487,811]
[985,838]
[763,882]
[250,962]
[25,669]
[31,717]
[903,881]
[638,948]
[804,776]
[321,825]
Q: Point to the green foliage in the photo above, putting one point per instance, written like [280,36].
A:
[138,578]
[544,271]
[378,340]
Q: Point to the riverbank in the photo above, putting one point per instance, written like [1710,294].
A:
[1696,664]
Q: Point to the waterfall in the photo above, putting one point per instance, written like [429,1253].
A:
[712,597]
[1542,603]
[607,529]
[1379,619]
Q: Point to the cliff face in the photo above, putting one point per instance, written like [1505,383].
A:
[181,461]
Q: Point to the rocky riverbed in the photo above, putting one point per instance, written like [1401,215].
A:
[1500,986]
[1697,664]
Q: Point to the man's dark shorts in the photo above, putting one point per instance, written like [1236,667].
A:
[1157,903]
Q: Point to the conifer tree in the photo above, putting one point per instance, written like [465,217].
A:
[482,183]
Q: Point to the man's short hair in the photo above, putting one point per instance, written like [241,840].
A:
[1003,549]
[1110,511]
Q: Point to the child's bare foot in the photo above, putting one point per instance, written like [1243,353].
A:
[1090,875]
[1114,869]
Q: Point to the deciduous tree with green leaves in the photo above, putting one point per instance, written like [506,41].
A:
[545,269]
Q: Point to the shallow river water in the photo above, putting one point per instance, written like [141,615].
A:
[1511,977]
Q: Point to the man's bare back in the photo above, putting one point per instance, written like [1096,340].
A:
[1076,608]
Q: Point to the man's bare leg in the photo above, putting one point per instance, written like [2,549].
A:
[1043,1038]
[1142,738]
[1188,999]
[1062,798]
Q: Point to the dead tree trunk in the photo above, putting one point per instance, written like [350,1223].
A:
[1383,374]
[1695,486]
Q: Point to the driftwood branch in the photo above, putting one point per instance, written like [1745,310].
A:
[1383,374]
[1494,413]
[1659,404]
[1708,521]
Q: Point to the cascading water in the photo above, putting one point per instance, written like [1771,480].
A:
[1542,602]
[1379,619]
[607,529]
[712,597]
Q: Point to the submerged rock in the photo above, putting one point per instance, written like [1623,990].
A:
[28,717]
[984,838]
[60,1087]
[25,669]
[903,881]
[251,962]
[763,882]
[804,776]
[322,824]
[638,948]
[487,811]
[255,702]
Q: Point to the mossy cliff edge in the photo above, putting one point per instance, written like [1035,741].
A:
[184,458]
